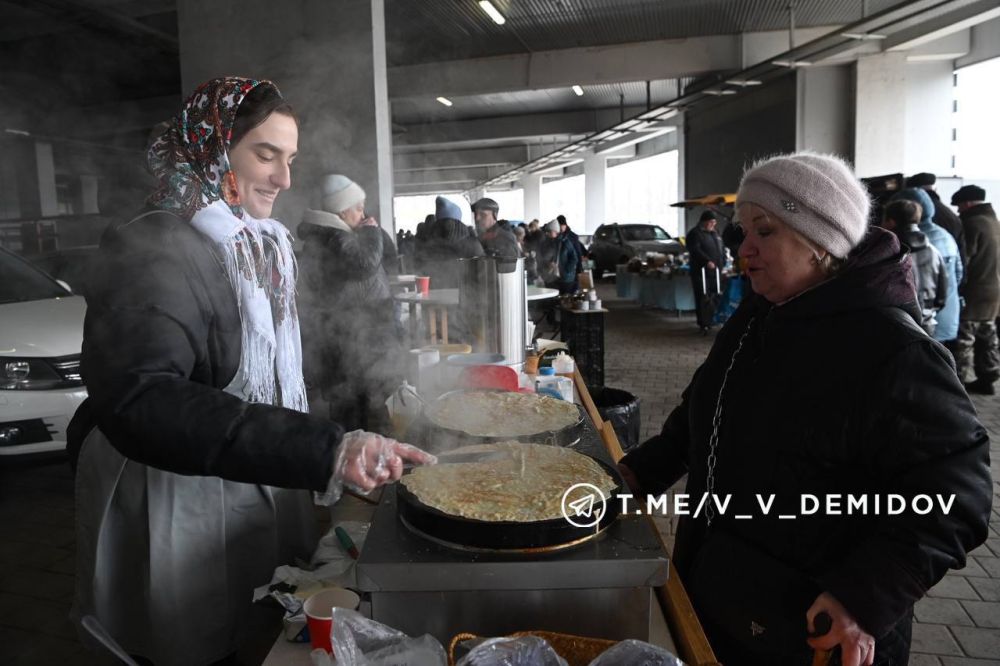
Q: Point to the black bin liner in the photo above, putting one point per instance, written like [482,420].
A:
[621,408]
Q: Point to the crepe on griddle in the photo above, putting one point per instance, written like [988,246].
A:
[502,413]
[516,482]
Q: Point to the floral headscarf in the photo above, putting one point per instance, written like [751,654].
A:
[191,160]
[191,157]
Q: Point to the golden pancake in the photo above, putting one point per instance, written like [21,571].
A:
[517,481]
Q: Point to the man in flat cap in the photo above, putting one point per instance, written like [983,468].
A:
[944,217]
[976,349]
[496,235]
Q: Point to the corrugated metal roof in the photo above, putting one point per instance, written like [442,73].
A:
[434,30]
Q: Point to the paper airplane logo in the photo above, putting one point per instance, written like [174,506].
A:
[583,507]
[589,507]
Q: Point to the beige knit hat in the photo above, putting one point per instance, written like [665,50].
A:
[817,195]
[340,193]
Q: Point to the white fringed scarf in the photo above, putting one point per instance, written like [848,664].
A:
[259,261]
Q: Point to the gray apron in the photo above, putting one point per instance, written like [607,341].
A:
[168,563]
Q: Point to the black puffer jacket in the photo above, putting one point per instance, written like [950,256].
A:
[834,392]
[439,246]
[161,340]
[349,335]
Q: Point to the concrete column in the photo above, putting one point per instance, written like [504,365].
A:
[824,110]
[930,94]
[36,179]
[594,168]
[383,121]
[880,126]
[531,185]
[322,55]
[86,203]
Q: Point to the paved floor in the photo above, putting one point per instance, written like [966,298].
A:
[650,353]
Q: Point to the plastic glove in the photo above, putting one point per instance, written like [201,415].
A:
[366,460]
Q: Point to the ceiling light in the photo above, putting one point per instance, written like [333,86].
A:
[862,36]
[578,90]
[743,83]
[724,91]
[444,100]
[792,64]
[17,132]
[494,14]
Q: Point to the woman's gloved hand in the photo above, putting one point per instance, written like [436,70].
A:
[857,647]
[366,460]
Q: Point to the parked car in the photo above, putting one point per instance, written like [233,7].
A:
[617,243]
[41,332]
[72,266]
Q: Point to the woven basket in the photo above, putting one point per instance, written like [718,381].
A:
[576,650]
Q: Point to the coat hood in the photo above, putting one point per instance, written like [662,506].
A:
[920,196]
[877,273]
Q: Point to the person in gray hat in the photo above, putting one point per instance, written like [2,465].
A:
[496,235]
[976,350]
[821,384]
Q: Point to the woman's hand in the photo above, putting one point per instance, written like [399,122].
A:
[857,647]
[369,222]
[630,478]
[366,460]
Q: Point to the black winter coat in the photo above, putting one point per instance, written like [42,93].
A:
[834,392]
[349,334]
[162,340]
[499,242]
[705,246]
[442,243]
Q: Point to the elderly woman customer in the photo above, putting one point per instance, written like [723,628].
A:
[194,448]
[822,385]
[354,352]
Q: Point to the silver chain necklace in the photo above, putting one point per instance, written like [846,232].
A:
[713,440]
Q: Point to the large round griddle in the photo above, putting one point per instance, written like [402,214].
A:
[441,438]
[519,538]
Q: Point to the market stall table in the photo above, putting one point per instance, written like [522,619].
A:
[655,289]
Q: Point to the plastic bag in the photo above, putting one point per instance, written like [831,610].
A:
[358,641]
[730,301]
[636,653]
[521,651]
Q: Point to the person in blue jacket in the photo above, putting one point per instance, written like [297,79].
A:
[947,318]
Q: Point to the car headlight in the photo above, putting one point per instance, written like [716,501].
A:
[38,374]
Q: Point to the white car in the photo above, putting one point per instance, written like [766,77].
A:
[41,332]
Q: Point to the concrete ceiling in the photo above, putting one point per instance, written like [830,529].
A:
[114,63]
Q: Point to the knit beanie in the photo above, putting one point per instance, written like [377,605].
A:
[445,209]
[340,193]
[917,195]
[817,195]
[552,226]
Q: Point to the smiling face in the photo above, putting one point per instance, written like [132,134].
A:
[262,163]
[780,262]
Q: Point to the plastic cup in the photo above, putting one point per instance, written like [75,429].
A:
[423,285]
[319,613]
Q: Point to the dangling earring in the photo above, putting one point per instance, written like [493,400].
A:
[230,193]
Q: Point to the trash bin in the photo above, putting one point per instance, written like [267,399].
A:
[621,408]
